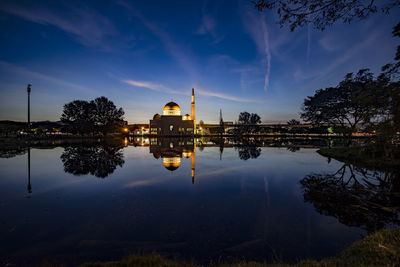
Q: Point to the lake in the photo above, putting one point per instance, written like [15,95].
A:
[185,199]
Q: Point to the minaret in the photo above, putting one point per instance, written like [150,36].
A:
[193,115]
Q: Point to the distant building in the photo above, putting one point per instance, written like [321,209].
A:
[171,122]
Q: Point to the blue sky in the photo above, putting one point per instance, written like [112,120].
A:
[143,54]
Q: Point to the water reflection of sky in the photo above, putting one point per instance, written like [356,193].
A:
[250,209]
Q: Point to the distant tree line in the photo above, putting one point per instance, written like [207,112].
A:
[91,117]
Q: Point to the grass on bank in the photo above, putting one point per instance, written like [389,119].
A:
[379,249]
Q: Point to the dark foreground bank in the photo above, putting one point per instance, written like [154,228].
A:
[379,249]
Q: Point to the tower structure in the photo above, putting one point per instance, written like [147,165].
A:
[28,89]
[193,115]
[193,161]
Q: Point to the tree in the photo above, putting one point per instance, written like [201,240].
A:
[323,13]
[387,105]
[107,116]
[97,115]
[350,103]
[99,161]
[356,196]
[78,115]
[392,70]
[293,122]
[248,123]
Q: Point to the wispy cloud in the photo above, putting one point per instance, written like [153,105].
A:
[178,52]
[256,26]
[308,43]
[180,55]
[352,54]
[267,52]
[161,88]
[209,26]
[87,26]
[32,74]
[226,96]
[152,86]
[329,43]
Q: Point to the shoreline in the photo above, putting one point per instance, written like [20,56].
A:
[381,248]
[363,156]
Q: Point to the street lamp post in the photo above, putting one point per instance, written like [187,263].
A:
[28,89]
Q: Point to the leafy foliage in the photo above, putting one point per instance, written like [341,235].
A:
[106,115]
[293,122]
[78,115]
[392,70]
[248,123]
[352,102]
[100,115]
[99,161]
[356,196]
[323,13]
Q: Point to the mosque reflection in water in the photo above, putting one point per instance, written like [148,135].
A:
[171,151]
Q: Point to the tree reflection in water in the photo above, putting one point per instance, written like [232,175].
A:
[248,152]
[248,149]
[356,196]
[293,148]
[99,161]
[10,153]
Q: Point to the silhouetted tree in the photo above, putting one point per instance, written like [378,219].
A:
[248,123]
[357,197]
[350,103]
[323,13]
[392,70]
[78,115]
[293,122]
[99,115]
[107,117]
[99,161]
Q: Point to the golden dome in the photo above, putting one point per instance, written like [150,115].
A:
[187,154]
[172,163]
[156,117]
[172,108]
[186,117]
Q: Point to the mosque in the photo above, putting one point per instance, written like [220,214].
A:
[172,123]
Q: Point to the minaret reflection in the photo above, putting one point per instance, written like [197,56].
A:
[29,171]
[171,150]
[193,161]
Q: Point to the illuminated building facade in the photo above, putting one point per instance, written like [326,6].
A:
[172,123]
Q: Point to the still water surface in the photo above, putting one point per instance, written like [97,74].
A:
[185,202]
